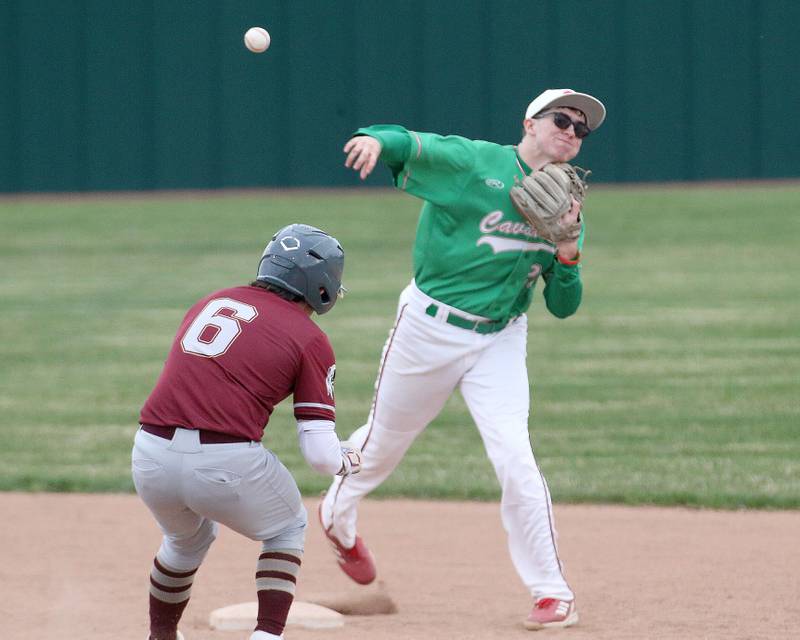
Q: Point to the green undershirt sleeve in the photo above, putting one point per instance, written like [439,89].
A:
[563,289]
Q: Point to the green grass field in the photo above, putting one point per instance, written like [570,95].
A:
[678,381]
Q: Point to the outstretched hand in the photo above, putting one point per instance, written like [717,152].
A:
[362,154]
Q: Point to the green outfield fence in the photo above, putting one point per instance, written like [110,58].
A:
[100,95]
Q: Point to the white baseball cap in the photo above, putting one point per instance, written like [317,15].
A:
[591,106]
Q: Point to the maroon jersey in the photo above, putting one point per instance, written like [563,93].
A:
[238,353]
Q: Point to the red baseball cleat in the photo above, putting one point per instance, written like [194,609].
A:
[551,613]
[356,562]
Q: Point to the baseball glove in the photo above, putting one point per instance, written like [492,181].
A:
[544,196]
[351,459]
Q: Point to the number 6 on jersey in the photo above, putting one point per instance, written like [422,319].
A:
[212,332]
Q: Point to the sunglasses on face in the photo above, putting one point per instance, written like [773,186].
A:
[562,121]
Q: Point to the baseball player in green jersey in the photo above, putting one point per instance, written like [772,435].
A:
[461,323]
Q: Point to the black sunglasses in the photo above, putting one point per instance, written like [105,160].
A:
[562,121]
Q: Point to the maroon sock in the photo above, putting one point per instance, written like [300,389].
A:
[276,578]
[169,594]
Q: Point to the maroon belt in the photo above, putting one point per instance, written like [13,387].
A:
[206,436]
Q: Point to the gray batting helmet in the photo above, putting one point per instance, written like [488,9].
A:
[306,262]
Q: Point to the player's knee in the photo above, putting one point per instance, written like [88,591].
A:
[521,481]
[292,536]
[189,552]
[513,464]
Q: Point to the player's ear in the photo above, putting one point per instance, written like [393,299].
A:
[527,126]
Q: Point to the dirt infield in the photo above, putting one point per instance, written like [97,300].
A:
[76,566]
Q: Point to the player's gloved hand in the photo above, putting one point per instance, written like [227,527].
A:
[546,197]
[351,460]
[568,248]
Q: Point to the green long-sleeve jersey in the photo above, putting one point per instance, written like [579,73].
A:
[473,250]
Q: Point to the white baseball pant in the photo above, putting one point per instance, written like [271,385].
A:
[423,362]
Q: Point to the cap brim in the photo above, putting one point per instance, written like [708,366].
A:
[594,109]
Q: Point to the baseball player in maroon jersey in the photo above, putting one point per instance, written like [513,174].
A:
[198,460]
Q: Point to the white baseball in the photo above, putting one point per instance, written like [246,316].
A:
[257,39]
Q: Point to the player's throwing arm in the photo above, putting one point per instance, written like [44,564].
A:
[362,154]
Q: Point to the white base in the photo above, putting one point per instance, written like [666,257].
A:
[242,617]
